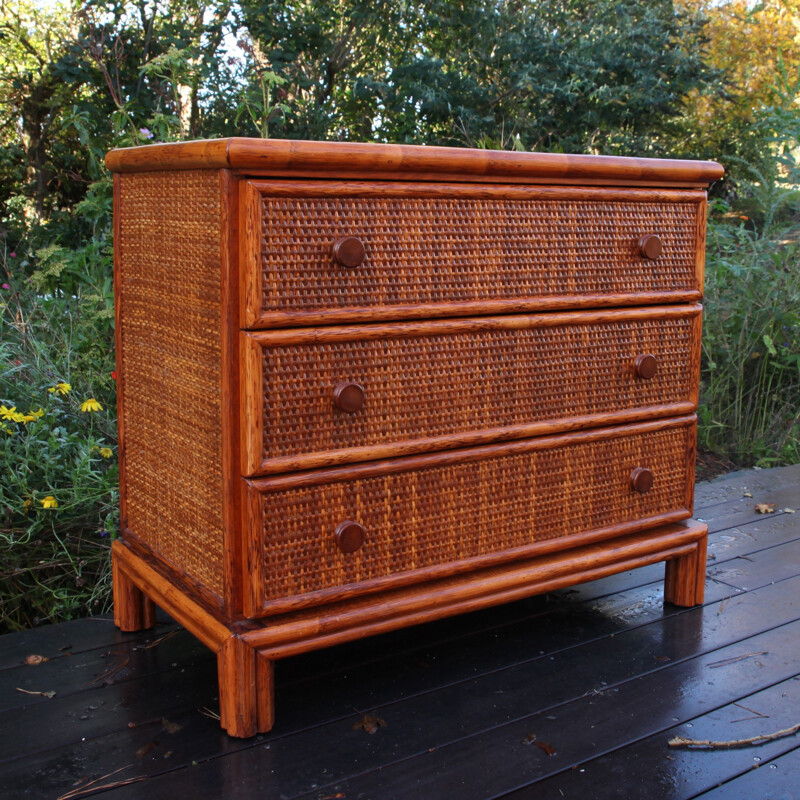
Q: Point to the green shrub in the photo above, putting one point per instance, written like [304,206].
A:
[58,496]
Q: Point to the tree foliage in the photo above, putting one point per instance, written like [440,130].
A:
[553,74]
[76,78]
[756,48]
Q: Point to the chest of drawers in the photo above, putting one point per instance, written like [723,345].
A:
[366,386]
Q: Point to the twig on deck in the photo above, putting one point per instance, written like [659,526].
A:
[680,741]
[158,641]
[49,695]
[726,661]
[110,673]
[90,787]
[756,714]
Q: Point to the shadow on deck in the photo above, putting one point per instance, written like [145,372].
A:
[575,694]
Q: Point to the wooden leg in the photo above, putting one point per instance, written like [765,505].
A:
[245,689]
[133,609]
[685,577]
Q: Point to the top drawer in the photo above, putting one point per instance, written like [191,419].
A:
[447,250]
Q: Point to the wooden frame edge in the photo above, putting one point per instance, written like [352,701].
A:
[371,469]
[700,243]
[251,419]
[118,348]
[353,159]
[254,576]
[483,324]
[249,240]
[297,633]
[188,613]
[203,594]
[333,458]
[268,320]
[230,420]
[376,188]
[265,610]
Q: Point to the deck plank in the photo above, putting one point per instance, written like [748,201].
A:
[75,636]
[775,780]
[458,695]
[98,667]
[311,702]
[457,717]
[634,770]
[499,760]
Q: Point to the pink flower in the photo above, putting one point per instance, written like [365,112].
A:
[146,133]
[12,255]
[6,286]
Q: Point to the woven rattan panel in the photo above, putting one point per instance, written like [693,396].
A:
[429,250]
[169,259]
[451,513]
[503,378]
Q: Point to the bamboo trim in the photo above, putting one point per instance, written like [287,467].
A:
[321,597]
[249,219]
[517,322]
[443,191]
[320,627]
[466,308]
[369,470]
[254,467]
[170,598]
[229,395]
[408,160]
[173,573]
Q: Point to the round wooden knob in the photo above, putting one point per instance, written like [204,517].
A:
[650,246]
[645,366]
[349,397]
[350,536]
[349,252]
[642,480]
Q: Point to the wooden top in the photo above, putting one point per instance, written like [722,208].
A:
[409,162]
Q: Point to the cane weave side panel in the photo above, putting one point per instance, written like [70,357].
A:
[170,295]
[446,384]
[452,513]
[436,250]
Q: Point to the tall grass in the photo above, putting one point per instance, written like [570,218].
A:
[750,395]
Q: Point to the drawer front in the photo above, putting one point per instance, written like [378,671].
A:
[456,511]
[448,384]
[452,250]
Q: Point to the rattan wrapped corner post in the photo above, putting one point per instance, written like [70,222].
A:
[366,386]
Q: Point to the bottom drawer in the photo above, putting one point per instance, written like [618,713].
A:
[438,514]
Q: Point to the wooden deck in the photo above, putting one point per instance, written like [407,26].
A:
[571,695]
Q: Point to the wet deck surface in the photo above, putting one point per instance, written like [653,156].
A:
[571,695]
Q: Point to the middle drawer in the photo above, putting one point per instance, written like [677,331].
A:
[319,397]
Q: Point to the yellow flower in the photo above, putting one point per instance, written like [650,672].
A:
[60,388]
[91,405]
[6,429]
[18,417]
[106,452]
[49,502]
[37,414]
[7,413]
[27,504]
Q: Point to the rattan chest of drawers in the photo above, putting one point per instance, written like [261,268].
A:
[366,386]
